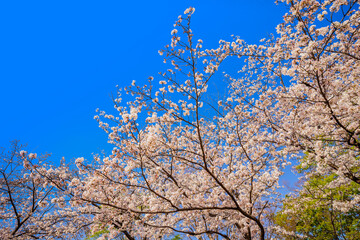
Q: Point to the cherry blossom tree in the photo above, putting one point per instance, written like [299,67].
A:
[315,62]
[181,163]
[318,50]
[27,208]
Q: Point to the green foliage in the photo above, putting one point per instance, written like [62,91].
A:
[176,237]
[311,213]
[97,234]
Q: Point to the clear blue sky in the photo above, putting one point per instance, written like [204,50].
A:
[60,60]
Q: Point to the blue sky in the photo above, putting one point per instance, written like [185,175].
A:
[60,60]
